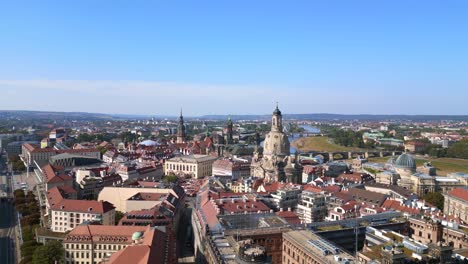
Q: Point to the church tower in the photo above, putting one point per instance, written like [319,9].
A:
[277,120]
[181,129]
[276,150]
[229,137]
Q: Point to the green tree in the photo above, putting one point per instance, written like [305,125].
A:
[459,150]
[171,178]
[103,150]
[85,137]
[118,216]
[49,253]
[435,198]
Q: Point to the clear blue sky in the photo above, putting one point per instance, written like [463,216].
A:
[152,57]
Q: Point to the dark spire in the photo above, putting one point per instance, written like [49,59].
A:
[181,129]
[229,131]
[277,111]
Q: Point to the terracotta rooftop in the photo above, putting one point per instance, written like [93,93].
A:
[241,206]
[397,206]
[151,250]
[53,176]
[290,217]
[460,193]
[83,206]
[110,233]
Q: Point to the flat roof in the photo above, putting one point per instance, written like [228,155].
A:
[318,246]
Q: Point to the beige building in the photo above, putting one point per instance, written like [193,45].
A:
[276,150]
[426,230]
[456,203]
[68,214]
[303,246]
[120,197]
[35,157]
[312,207]
[88,244]
[197,166]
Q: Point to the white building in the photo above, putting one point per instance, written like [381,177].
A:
[312,207]
[68,214]
[197,166]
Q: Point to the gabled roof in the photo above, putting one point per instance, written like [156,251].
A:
[83,206]
[53,176]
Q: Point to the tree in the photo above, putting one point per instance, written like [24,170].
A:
[103,150]
[85,137]
[458,150]
[118,216]
[171,178]
[49,253]
[435,198]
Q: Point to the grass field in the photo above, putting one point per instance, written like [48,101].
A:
[443,165]
[319,144]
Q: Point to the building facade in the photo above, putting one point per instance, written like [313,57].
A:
[303,246]
[312,207]
[95,243]
[456,203]
[68,214]
[197,166]
[276,150]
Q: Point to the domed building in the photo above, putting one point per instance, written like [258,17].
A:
[271,166]
[149,143]
[276,141]
[405,165]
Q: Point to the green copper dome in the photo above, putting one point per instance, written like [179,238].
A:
[137,235]
[405,161]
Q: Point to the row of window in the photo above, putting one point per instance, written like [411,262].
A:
[96,246]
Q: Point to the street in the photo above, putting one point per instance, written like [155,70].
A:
[7,232]
[7,220]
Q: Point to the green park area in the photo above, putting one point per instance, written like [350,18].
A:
[443,165]
[319,143]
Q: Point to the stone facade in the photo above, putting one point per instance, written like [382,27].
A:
[271,166]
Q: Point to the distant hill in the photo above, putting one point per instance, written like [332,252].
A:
[324,116]
[320,116]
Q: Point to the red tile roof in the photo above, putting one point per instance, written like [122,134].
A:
[151,250]
[312,188]
[460,193]
[83,206]
[240,206]
[122,234]
[397,206]
[290,217]
[52,174]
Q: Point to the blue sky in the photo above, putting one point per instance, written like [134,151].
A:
[239,57]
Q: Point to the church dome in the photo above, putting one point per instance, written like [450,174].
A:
[277,111]
[276,143]
[149,143]
[137,235]
[405,161]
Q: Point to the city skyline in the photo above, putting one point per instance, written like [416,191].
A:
[235,58]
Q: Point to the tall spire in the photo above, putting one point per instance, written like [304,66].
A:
[229,137]
[181,129]
[277,120]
